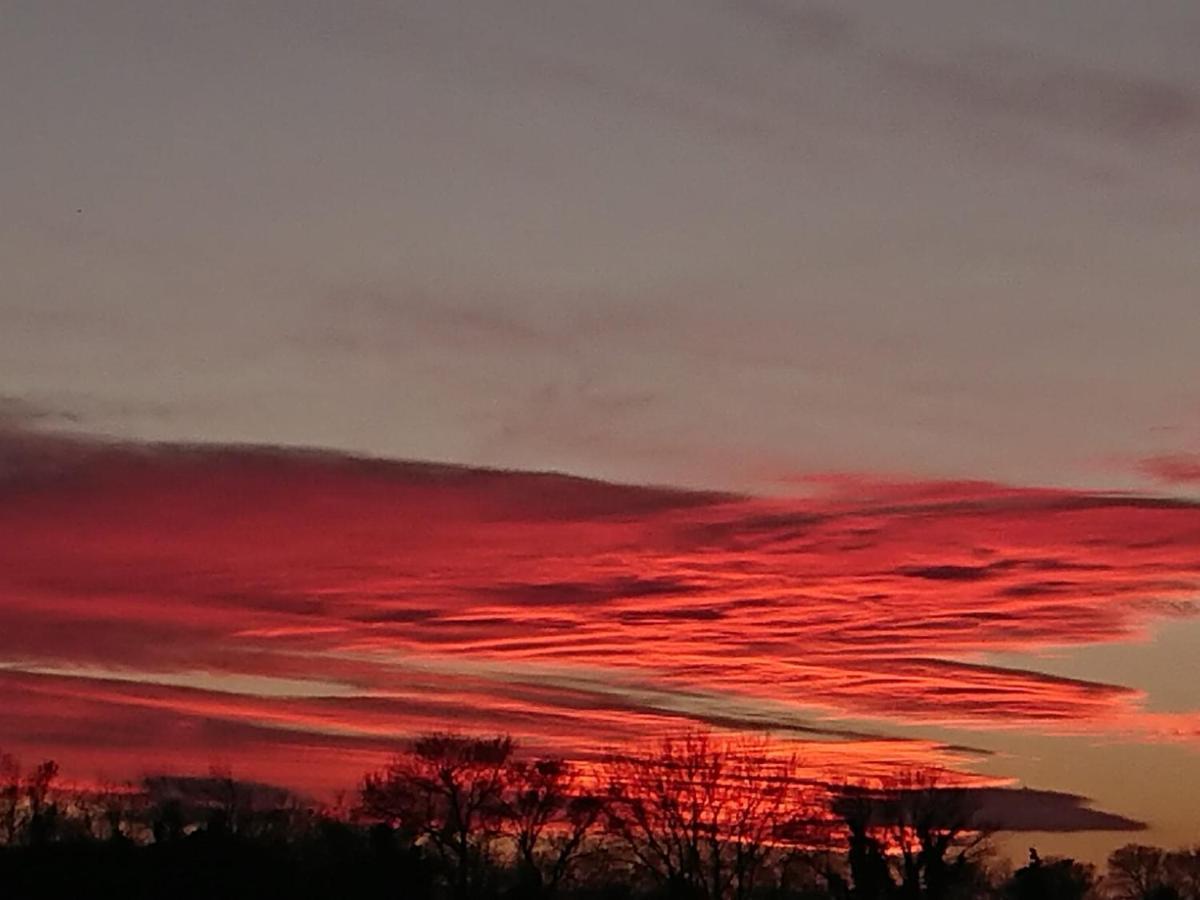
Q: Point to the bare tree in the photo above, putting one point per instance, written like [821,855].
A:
[1183,868]
[1137,872]
[42,811]
[703,817]
[448,793]
[548,815]
[867,853]
[117,806]
[912,838]
[10,796]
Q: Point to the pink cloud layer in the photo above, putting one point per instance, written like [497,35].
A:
[301,612]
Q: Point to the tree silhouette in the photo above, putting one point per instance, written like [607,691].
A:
[1137,872]
[700,817]
[870,872]
[911,838]
[43,813]
[10,797]
[548,815]
[465,818]
[448,793]
[1183,870]
[1050,879]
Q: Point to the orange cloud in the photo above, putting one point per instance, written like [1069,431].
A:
[245,599]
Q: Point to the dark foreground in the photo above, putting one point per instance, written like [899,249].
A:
[457,818]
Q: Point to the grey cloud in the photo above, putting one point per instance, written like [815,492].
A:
[1005,809]
[1037,810]
[800,25]
[1057,95]
[19,412]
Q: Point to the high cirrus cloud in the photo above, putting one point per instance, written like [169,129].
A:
[326,606]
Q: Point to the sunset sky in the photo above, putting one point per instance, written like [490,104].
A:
[592,371]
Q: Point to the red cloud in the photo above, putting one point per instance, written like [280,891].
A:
[255,598]
[1178,468]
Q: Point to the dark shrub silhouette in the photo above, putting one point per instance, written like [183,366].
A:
[1060,879]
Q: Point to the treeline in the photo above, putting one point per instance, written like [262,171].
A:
[457,818]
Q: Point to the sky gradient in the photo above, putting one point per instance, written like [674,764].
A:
[303,301]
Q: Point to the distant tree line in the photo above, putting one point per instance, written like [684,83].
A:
[454,818]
